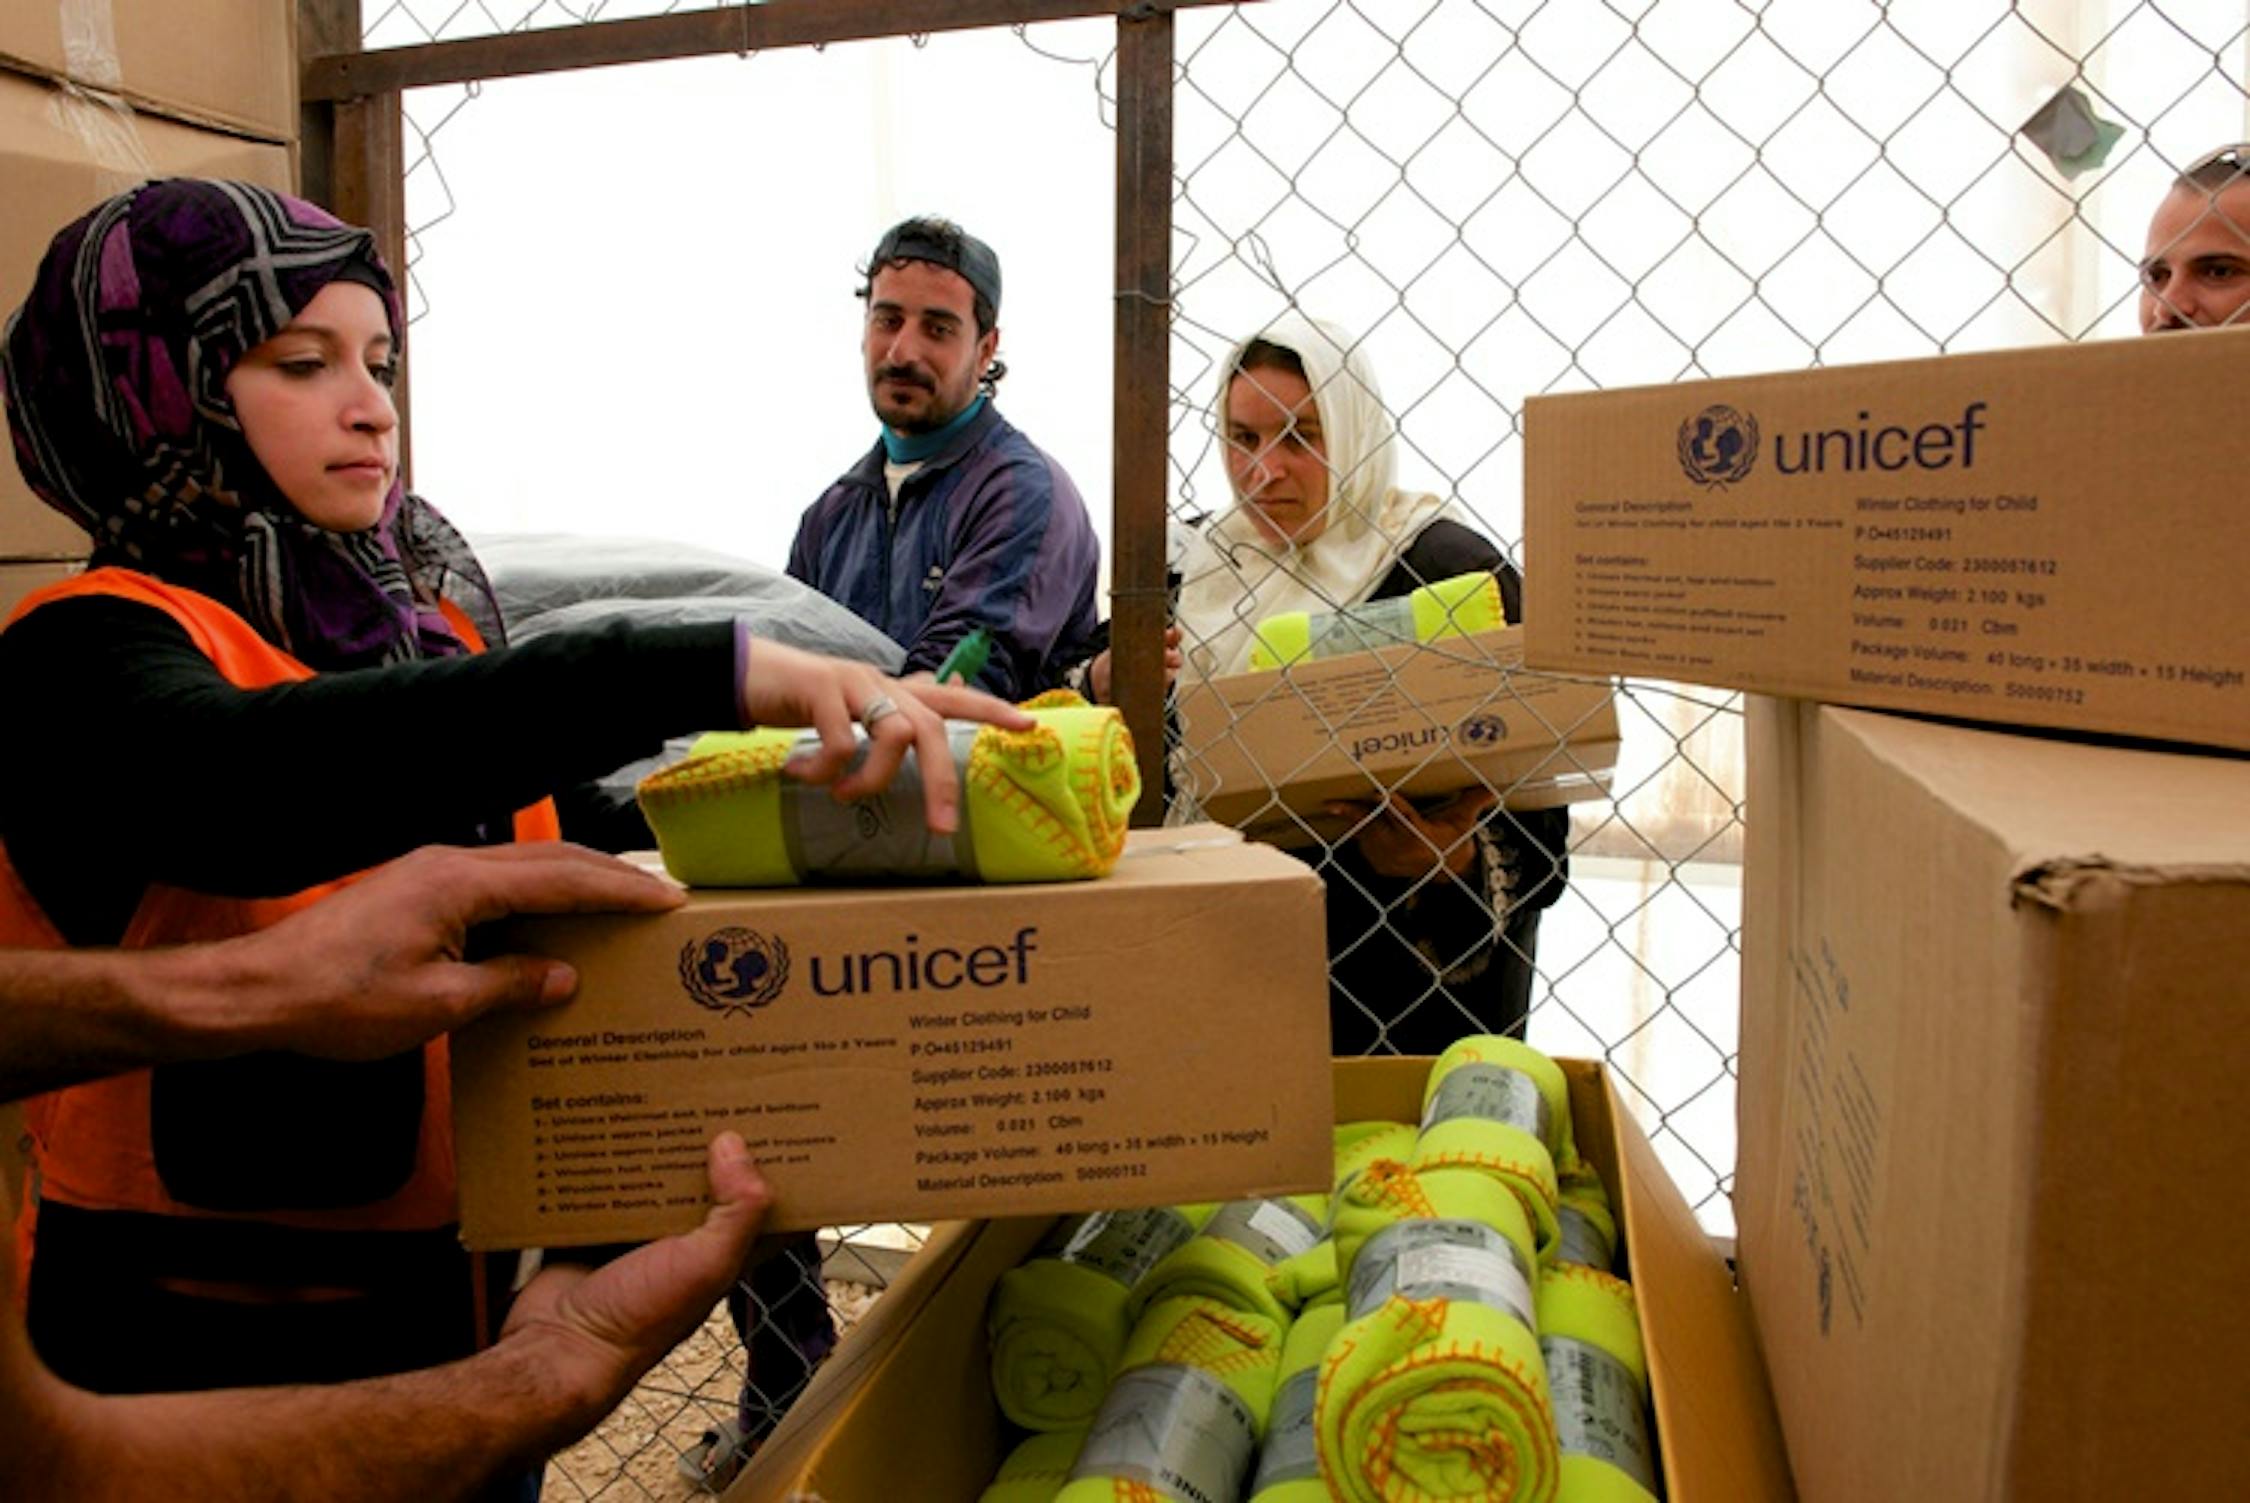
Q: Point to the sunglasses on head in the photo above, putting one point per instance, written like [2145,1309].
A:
[2234,157]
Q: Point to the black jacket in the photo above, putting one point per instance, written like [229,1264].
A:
[1416,964]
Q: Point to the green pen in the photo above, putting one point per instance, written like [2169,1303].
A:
[966,660]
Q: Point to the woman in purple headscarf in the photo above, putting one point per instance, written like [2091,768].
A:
[274,676]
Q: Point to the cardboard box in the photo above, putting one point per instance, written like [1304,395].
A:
[905,1408]
[231,62]
[908,1054]
[60,154]
[1991,1194]
[2005,537]
[1264,752]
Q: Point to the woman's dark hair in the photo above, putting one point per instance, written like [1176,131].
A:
[1265,355]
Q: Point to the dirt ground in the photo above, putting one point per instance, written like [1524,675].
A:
[634,1454]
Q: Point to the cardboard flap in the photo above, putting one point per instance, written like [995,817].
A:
[808,1440]
[1718,1424]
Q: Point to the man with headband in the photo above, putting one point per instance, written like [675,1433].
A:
[954,520]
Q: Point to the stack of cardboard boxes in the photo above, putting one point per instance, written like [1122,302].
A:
[95,98]
[1991,1152]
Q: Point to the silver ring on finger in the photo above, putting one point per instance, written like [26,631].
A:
[876,708]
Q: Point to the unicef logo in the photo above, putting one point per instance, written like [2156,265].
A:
[871,818]
[1482,730]
[1718,445]
[734,970]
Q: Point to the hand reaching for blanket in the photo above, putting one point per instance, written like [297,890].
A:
[784,686]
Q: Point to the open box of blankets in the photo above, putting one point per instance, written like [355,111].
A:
[1387,1390]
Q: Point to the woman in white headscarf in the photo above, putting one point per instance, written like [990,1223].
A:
[1433,911]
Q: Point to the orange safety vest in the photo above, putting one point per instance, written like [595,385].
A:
[92,1146]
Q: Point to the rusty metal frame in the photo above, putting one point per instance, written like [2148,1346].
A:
[352,159]
[1141,397]
[341,70]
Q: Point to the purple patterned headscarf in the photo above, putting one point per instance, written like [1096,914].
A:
[115,373]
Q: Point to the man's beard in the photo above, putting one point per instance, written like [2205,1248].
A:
[929,421]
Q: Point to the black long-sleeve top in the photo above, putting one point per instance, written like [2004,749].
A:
[1416,962]
[128,759]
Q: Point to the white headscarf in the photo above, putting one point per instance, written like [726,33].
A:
[1234,576]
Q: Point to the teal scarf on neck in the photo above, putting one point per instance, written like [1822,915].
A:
[913,448]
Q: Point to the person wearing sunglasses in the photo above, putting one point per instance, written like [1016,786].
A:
[2196,271]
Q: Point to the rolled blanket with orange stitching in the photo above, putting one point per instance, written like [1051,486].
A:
[1597,1372]
[1057,1322]
[1586,1226]
[1434,1388]
[1289,1457]
[1046,804]
[1233,1258]
[1036,1469]
[1307,1279]
[1500,1106]
[1311,1277]
[1359,1144]
[1184,1417]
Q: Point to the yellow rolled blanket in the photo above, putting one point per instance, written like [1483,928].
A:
[1434,1388]
[1307,1279]
[1311,1276]
[1391,1194]
[1359,1144]
[1597,1372]
[1289,1458]
[1036,1469]
[1233,1257]
[1184,1416]
[1549,1120]
[1446,608]
[1057,1323]
[1499,1105]
[1586,1226]
[1040,805]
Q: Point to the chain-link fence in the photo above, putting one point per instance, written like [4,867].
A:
[1496,199]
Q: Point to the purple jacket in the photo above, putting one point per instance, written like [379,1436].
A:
[989,532]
